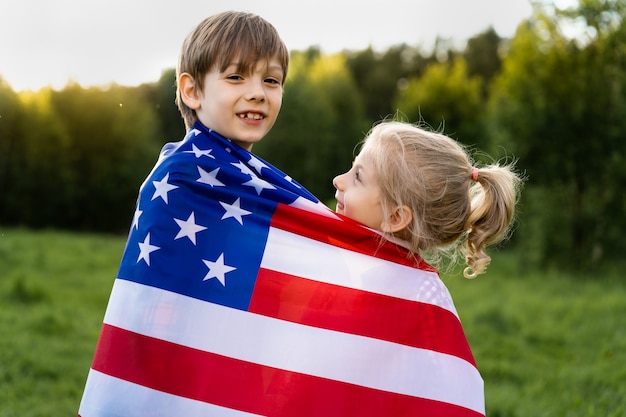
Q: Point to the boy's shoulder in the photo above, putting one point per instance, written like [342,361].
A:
[197,146]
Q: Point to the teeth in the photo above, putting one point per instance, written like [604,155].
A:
[253,116]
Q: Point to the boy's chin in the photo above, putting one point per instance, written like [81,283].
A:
[247,142]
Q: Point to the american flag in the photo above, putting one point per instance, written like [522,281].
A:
[239,294]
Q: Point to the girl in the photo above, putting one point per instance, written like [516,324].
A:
[421,187]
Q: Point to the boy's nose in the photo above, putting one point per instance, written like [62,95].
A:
[256,92]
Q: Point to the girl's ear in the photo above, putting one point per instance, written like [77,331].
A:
[188,91]
[399,219]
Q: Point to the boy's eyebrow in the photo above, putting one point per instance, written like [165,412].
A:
[275,67]
[239,64]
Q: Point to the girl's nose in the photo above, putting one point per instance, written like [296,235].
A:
[337,181]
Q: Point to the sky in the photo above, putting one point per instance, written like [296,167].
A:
[129,42]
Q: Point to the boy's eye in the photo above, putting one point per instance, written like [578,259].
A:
[272,81]
[234,77]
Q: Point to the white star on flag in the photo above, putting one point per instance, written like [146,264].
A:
[189,228]
[257,164]
[259,184]
[136,217]
[145,249]
[218,269]
[235,211]
[162,188]
[243,168]
[209,178]
[200,152]
[289,179]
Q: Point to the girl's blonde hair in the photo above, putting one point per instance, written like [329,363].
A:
[222,39]
[433,175]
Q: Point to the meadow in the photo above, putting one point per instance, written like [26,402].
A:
[547,344]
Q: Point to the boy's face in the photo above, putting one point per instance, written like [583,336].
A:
[242,107]
[358,194]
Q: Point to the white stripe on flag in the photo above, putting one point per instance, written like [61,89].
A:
[328,354]
[342,267]
[122,398]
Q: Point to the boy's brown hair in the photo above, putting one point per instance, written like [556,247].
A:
[219,40]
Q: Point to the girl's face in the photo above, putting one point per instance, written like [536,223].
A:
[358,194]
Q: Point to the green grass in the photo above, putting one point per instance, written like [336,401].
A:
[546,344]
[53,293]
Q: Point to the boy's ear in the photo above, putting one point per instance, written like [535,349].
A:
[188,91]
[399,219]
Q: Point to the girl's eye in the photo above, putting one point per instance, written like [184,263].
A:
[357,176]
[234,77]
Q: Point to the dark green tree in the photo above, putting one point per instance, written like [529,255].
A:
[483,56]
[377,76]
[448,99]
[162,97]
[11,112]
[34,188]
[559,107]
[111,148]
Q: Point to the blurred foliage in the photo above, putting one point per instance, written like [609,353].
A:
[553,97]
[558,105]
[447,96]
[76,157]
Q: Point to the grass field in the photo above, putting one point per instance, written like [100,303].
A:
[546,344]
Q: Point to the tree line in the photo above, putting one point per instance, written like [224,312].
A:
[550,98]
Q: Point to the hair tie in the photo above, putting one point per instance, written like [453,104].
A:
[474,174]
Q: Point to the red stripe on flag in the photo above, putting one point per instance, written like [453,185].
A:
[348,310]
[246,386]
[344,233]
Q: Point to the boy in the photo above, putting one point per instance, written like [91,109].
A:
[197,234]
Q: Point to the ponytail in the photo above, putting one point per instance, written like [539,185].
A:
[492,208]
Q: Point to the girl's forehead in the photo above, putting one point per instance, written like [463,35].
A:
[365,155]
[365,161]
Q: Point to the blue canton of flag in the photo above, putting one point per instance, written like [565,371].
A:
[205,190]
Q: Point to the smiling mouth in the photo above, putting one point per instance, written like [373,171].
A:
[251,116]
